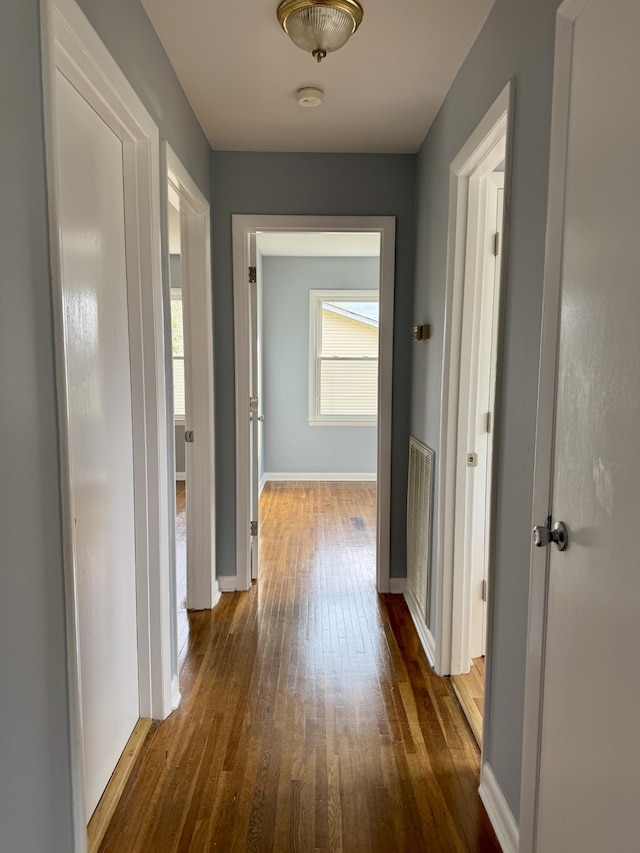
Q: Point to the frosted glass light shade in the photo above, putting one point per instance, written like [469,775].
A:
[319,26]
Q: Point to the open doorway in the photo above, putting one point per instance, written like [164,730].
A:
[179,414]
[470,407]
[478,371]
[190,320]
[250,435]
[315,335]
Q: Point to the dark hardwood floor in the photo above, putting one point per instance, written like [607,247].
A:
[310,718]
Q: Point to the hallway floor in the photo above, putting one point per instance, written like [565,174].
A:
[310,719]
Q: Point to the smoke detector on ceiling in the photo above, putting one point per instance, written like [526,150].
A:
[309,96]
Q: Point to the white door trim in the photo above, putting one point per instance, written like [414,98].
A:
[543,473]
[195,252]
[243,225]
[70,44]
[474,158]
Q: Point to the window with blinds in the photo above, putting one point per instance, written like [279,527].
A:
[177,347]
[343,372]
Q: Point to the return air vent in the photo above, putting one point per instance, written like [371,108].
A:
[419,492]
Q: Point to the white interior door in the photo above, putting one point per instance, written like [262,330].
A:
[96,340]
[190,235]
[590,737]
[481,421]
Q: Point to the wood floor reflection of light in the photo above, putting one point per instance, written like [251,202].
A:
[310,718]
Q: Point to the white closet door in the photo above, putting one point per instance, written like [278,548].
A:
[590,746]
[92,222]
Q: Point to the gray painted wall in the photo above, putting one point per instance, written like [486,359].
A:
[35,777]
[35,780]
[180,448]
[175,271]
[290,444]
[516,42]
[331,184]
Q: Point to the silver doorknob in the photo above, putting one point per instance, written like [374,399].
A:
[544,535]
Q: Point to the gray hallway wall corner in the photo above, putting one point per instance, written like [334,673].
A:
[319,184]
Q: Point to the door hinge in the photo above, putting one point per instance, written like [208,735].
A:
[496,244]
[485,590]
[254,528]
[188,436]
[488,421]
[253,275]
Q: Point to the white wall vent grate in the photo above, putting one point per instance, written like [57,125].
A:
[419,514]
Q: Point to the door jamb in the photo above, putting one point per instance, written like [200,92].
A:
[69,41]
[242,226]
[195,252]
[545,422]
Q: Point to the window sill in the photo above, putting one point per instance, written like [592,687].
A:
[179,422]
[316,422]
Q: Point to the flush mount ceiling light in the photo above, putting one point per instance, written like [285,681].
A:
[320,26]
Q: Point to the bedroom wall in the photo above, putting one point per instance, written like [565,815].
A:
[291,445]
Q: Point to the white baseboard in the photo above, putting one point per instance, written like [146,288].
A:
[175,693]
[227,583]
[503,822]
[181,475]
[296,477]
[262,483]
[425,635]
[397,585]
[216,593]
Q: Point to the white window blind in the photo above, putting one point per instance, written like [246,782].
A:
[344,355]
[177,346]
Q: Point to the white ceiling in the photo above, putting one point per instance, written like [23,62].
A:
[318,244]
[382,90]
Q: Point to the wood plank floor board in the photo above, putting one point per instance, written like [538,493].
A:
[469,689]
[310,719]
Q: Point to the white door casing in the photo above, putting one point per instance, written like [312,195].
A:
[70,45]
[580,759]
[195,252]
[243,226]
